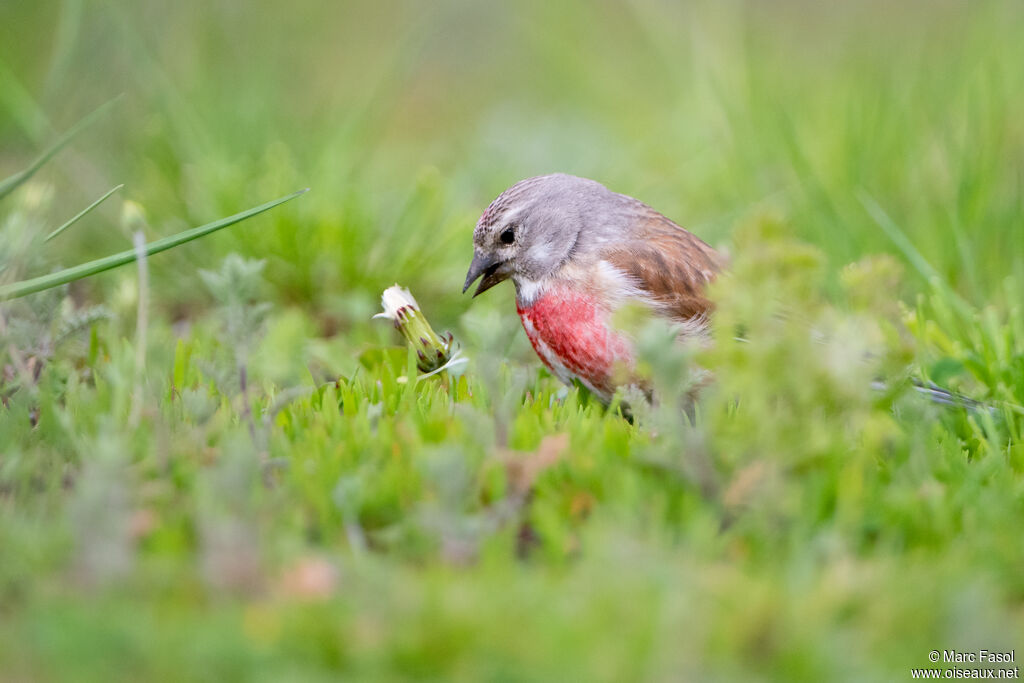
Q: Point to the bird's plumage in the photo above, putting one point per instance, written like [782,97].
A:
[667,263]
[576,253]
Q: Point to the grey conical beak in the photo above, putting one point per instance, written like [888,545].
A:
[487,266]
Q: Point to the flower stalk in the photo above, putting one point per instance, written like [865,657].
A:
[434,352]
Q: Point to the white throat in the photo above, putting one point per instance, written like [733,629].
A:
[528,291]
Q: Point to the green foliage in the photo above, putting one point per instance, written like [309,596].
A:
[255,487]
[63,277]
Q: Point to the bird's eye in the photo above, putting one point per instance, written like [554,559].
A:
[508,236]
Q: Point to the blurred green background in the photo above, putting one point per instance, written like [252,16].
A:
[406,119]
[162,519]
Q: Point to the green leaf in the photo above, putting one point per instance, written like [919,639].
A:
[62,277]
[82,213]
[10,184]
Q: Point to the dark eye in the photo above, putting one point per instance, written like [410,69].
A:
[508,236]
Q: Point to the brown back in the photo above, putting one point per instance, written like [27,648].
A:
[670,264]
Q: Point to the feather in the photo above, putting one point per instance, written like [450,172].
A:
[667,263]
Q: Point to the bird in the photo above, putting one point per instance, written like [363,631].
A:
[577,253]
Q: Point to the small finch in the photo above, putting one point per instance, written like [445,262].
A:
[577,253]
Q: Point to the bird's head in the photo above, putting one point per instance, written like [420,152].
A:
[532,229]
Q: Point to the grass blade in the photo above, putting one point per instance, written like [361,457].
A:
[21,106]
[82,213]
[10,184]
[62,277]
[910,252]
[898,237]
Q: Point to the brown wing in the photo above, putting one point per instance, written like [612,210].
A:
[669,263]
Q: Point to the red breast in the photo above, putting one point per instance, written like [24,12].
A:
[570,330]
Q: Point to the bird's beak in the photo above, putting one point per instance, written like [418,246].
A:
[490,268]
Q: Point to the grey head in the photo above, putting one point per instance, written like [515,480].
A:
[535,226]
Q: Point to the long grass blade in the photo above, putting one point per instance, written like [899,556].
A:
[21,107]
[82,213]
[10,184]
[910,252]
[62,277]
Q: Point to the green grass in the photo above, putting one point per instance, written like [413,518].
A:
[253,488]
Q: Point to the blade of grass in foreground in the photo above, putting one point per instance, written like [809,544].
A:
[62,277]
[78,216]
[10,184]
